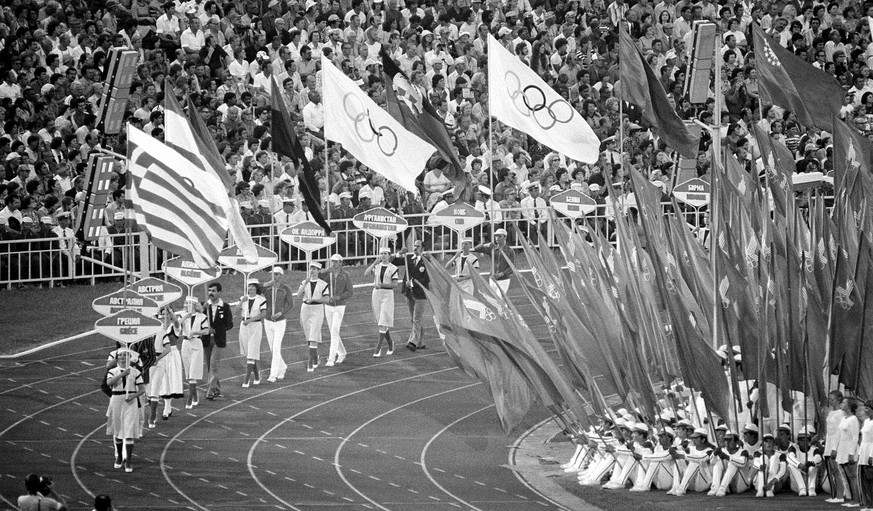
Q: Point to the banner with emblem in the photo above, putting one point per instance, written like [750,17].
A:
[521,99]
[369,133]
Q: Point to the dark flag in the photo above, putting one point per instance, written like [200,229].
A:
[286,143]
[420,118]
[788,81]
[640,86]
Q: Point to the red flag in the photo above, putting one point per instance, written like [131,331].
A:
[784,79]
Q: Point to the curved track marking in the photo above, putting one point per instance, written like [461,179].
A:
[339,448]
[186,428]
[423,463]
[514,449]
[277,426]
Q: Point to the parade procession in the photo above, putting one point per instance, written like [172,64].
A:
[634,240]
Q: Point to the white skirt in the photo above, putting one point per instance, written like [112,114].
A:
[250,340]
[311,320]
[168,384]
[383,307]
[123,419]
[192,359]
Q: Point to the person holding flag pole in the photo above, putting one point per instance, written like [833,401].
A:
[384,282]
[312,293]
[123,420]
[415,281]
[340,289]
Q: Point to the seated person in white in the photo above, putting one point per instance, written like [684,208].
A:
[771,469]
[804,460]
[633,469]
[698,475]
[661,468]
[604,459]
[622,453]
[730,467]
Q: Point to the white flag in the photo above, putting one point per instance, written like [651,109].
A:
[521,99]
[370,133]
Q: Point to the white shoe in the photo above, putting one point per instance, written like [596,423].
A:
[679,493]
[188,406]
[310,369]
[851,504]
[151,426]
[720,493]
[271,380]
[257,382]
[280,377]
[339,360]
[389,352]
[195,402]
[770,493]
[328,364]
[760,494]
[801,493]
[245,385]
[811,493]
[835,500]
[377,354]
[711,492]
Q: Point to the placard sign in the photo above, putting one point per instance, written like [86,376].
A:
[458,217]
[125,300]
[128,326]
[232,257]
[307,236]
[573,203]
[694,192]
[187,272]
[379,222]
[161,291]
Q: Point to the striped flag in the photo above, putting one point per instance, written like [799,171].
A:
[175,200]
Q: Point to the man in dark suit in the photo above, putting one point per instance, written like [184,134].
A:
[220,319]
[415,281]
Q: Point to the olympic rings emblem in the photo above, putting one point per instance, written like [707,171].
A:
[531,100]
[384,136]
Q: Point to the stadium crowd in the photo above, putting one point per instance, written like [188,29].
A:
[223,55]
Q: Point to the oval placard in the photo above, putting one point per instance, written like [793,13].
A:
[458,217]
[232,257]
[161,291]
[573,203]
[307,236]
[125,300]
[128,326]
[187,272]
[379,222]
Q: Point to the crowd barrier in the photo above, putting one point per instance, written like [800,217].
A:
[57,261]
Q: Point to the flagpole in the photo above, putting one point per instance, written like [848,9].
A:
[491,182]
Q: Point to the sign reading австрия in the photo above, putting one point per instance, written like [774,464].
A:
[307,236]
[379,222]
[161,291]
[187,272]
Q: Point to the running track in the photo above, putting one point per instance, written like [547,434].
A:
[405,432]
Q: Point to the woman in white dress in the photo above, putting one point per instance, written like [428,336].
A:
[123,416]
[195,324]
[253,309]
[847,451]
[158,387]
[312,293]
[384,281]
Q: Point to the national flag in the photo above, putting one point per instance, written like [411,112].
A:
[408,106]
[847,317]
[286,143]
[369,133]
[790,82]
[641,86]
[192,139]
[176,201]
[778,163]
[519,98]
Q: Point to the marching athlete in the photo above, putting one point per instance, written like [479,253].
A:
[415,281]
[195,324]
[253,309]
[340,289]
[165,378]
[465,262]
[280,302]
[384,281]
[313,292]
[123,420]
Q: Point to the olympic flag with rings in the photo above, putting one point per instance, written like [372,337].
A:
[522,100]
[370,133]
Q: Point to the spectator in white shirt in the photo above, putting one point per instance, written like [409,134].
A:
[193,39]
[313,115]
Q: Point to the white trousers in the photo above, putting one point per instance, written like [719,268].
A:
[275,331]
[334,316]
